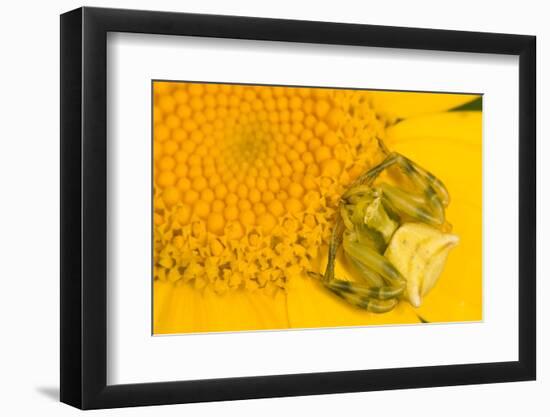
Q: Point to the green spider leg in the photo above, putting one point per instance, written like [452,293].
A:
[428,206]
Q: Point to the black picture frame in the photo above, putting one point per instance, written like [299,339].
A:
[84,207]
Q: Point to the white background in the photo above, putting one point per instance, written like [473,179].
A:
[29,235]
[133,60]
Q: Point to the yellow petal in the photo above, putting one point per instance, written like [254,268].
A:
[176,309]
[449,146]
[403,105]
[310,305]
[180,308]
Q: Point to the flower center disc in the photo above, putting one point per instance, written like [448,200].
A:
[247,178]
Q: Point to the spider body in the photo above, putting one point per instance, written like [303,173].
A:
[383,226]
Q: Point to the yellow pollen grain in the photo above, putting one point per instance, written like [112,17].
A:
[167,163]
[309,182]
[196,89]
[330,167]
[234,230]
[231,199]
[248,218]
[285,182]
[199,183]
[250,180]
[295,190]
[293,205]
[184,112]
[276,208]
[181,156]
[166,179]
[244,205]
[267,222]
[313,169]
[200,118]
[259,208]
[242,191]
[215,223]
[170,196]
[214,180]
[231,212]
[282,195]
[194,160]
[195,172]
[189,125]
[220,191]
[184,184]
[207,195]
[255,196]
[172,121]
[190,196]
[218,206]
[322,107]
[202,208]
[310,121]
[181,96]
[170,147]
[179,135]
[322,153]
[188,146]
[268,196]
[261,185]
[273,185]
[307,158]
[167,104]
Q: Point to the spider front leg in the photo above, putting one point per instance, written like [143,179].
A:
[420,176]
[351,293]
[428,206]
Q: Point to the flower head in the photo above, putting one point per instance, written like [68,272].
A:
[247,181]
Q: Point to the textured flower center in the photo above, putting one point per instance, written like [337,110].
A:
[247,178]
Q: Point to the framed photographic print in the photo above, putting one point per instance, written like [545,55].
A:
[257,207]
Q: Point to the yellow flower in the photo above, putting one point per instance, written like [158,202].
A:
[247,181]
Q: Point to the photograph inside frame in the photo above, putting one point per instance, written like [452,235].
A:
[283,207]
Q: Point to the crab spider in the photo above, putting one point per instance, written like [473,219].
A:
[371,216]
